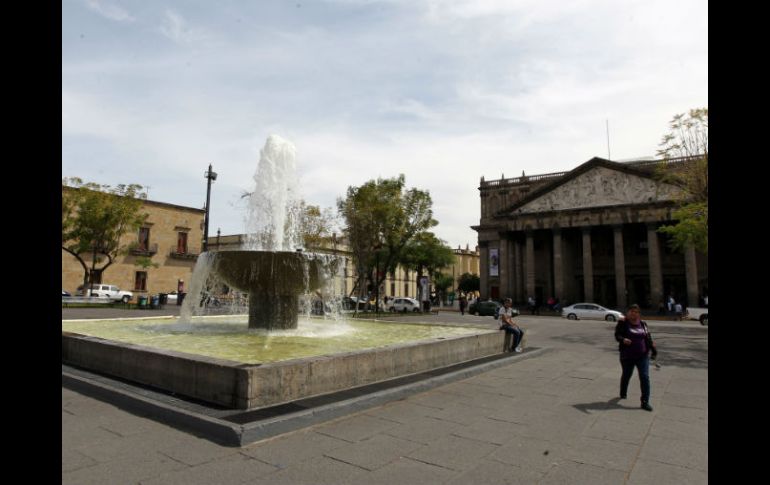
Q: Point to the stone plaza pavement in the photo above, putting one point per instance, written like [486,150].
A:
[553,418]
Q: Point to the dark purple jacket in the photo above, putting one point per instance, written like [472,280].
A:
[623,330]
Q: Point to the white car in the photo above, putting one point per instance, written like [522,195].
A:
[590,311]
[105,291]
[404,305]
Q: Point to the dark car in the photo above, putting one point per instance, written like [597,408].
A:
[488,308]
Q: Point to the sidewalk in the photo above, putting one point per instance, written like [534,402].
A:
[549,419]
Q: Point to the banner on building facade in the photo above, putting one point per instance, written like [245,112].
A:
[494,262]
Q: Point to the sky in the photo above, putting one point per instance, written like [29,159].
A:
[444,92]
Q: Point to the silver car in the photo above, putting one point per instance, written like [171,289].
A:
[590,311]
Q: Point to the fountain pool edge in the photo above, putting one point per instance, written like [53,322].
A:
[250,386]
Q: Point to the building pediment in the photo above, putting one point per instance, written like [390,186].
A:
[597,183]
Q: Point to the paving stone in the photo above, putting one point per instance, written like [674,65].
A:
[686,454]
[408,471]
[123,470]
[318,471]
[375,452]
[454,452]
[283,451]
[489,431]
[424,430]
[73,459]
[492,472]
[646,472]
[533,454]
[667,428]
[603,453]
[570,472]
[355,428]
[234,469]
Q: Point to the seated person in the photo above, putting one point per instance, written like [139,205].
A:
[506,317]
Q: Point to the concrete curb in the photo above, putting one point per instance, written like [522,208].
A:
[228,433]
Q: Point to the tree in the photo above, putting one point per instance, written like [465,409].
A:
[382,216]
[94,219]
[442,282]
[316,225]
[428,253]
[687,140]
[469,282]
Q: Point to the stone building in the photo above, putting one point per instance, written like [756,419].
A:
[590,234]
[171,237]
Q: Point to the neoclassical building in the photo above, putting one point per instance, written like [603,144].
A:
[590,234]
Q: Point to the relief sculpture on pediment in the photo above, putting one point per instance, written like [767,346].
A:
[601,187]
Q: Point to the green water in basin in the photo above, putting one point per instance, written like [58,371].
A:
[230,338]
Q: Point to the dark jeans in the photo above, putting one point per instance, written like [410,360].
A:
[517,334]
[642,365]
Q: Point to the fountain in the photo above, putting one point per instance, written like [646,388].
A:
[275,272]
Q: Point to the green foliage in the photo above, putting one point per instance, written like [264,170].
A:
[427,252]
[469,282]
[145,262]
[381,218]
[687,138]
[95,217]
[316,225]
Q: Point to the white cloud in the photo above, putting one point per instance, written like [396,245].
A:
[443,91]
[109,10]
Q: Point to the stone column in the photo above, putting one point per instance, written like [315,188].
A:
[484,272]
[515,270]
[558,269]
[691,275]
[530,263]
[656,274]
[588,266]
[504,264]
[620,267]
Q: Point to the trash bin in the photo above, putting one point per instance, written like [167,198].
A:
[142,301]
[180,298]
[154,302]
[163,298]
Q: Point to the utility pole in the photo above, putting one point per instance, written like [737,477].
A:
[210,175]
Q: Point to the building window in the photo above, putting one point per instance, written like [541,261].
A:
[392,289]
[406,289]
[140,282]
[181,243]
[144,238]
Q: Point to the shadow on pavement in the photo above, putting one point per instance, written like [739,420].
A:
[597,406]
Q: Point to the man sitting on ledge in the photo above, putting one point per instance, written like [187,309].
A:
[506,316]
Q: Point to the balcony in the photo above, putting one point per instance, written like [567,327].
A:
[150,250]
[187,256]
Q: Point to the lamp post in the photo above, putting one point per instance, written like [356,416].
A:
[211,176]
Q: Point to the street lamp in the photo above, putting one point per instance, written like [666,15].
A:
[211,176]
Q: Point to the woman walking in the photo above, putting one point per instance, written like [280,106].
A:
[635,344]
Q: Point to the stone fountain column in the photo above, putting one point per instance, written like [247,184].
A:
[274,280]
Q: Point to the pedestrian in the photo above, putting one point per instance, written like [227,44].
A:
[531,305]
[635,344]
[678,310]
[506,316]
[463,302]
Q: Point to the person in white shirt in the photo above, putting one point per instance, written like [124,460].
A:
[506,316]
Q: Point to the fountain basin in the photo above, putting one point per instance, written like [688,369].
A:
[241,385]
[273,280]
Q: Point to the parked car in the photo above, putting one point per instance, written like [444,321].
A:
[696,313]
[65,293]
[488,307]
[403,304]
[105,291]
[351,302]
[590,311]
